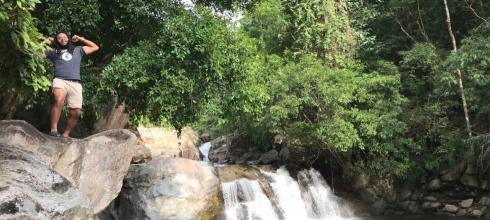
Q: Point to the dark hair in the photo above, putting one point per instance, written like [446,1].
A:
[58,47]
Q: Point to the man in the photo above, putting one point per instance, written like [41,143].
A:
[66,60]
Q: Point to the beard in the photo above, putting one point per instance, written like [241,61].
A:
[64,46]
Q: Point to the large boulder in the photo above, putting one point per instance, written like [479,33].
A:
[96,165]
[169,188]
[113,116]
[270,157]
[233,148]
[30,189]
[164,142]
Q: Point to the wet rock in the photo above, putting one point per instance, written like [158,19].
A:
[233,148]
[450,208]
[205,137]
[231,173]
[170,188]
[29,189]
[271,157]
[466,203]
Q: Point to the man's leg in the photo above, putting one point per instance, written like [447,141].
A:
[59,100]
[74,114]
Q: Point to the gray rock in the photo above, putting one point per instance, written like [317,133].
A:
[278,140]
[471,168]
[435,184]
[284,154]
[471,181]
[360,181]
[431,205]
[466,203]
[476,213]
[232,148]
[485,200]
[205,137]
[368,194]
[417,195]
[462,212]
[164,141]
[141,154]
[410,206]
[430,198]
[96,165]
[405,193]
[486,216]
[29,189]
[270,157]
[484,184]
[379,206]
[164,187]
[114,116]
[450,208]
[454,173]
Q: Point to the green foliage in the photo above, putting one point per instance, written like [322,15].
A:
[21,61]
[267,22]
[70,16]
[436,142]
[473,60]
[322,28]
[192,58]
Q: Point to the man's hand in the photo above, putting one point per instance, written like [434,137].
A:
[76,38]
[89,47]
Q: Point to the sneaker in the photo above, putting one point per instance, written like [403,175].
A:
[54,134]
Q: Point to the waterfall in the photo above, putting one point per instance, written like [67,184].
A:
[204,148]
[244,199]
[306,199]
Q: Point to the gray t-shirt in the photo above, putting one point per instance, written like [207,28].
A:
[66,66]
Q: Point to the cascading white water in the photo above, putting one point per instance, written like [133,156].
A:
[204,148]
[244,199]
[308,198]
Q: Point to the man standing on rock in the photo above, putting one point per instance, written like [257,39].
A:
[66,60]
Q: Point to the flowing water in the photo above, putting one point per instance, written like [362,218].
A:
[279,196]
[204,148]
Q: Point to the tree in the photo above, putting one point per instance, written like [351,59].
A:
[171,76]
[458,71]
[21,61]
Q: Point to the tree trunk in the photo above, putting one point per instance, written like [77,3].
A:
[458,71]
[8,104]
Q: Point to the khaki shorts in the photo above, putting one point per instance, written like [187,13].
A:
[73,92]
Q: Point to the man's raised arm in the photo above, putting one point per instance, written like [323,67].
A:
[89,47]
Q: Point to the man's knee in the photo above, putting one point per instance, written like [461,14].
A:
[75,113]
[59,97]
